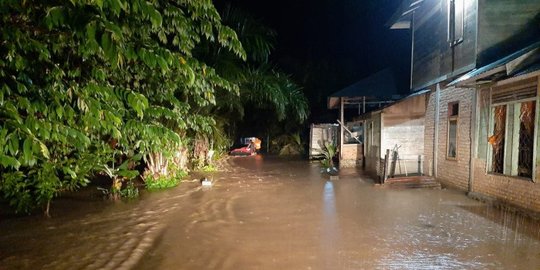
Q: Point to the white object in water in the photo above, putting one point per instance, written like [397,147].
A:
[206,183]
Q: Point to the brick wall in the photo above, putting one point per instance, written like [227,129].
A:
[451,172]
[514,191]
[510,190]
[352,155]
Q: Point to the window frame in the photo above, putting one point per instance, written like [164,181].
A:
[452,39]
[451,116]
[491,124]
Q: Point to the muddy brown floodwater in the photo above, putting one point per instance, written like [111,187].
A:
[271,213]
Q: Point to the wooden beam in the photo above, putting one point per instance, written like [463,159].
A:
[519,62]
[536,157]
[342,118]
[364,105]
[350,132]
[518,78]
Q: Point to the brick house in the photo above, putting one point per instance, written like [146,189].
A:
[480,60]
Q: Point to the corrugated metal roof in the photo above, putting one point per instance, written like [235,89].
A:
[499,66]
[380,86]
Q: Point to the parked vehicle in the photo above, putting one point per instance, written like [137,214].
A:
[253,145]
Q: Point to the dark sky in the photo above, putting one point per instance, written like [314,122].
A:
[329,44]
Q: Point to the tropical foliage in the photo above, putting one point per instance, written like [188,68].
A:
[266,94]
[85,80]
[329,150]
[288,145]
[96,87]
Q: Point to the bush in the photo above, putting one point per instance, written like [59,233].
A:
[163,182]
[209,168]
[130,191]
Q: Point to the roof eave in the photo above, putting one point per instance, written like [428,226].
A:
[401,19]
[507,66]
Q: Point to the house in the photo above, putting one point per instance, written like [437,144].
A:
[480,61]
[369,93]
[396,132]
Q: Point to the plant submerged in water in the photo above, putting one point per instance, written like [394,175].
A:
[119,175]
[162,182]
[329,150]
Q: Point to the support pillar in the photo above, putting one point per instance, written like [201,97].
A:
[341,130]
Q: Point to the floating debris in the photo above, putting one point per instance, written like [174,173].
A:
[205,182]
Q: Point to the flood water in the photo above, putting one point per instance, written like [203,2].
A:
[271,213]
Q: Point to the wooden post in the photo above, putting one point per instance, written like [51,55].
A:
[536,143]
[342,119]
[268,143]
[393,164]
[436,130]
[385,166]
[311,142]
[364,104]
[364,143]
[474,140]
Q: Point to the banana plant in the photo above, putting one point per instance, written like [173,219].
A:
[329,150]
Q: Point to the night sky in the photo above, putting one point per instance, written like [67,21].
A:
[329,44]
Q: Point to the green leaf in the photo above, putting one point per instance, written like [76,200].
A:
[7,161]
[91,30]
[129,174]
[59,112]
[3,138]
[99,3]
[14,144]
[70,172]
[162,64]
[155,18]
[107,46]
[54,17]
[44,150]
[191,76]
[27,150]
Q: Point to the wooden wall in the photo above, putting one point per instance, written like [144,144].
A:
[434,59]
[400,124]
[372,144]
[404,126]
[505,26]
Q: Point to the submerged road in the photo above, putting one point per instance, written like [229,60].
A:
[271,213]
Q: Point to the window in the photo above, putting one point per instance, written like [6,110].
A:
[497,139]
[513,116]
[451,146]
[513,139]
[456,12]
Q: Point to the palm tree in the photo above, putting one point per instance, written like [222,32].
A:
[262,87]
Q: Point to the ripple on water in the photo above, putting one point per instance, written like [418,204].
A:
[427,259]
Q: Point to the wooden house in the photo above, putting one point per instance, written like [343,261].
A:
[480,61]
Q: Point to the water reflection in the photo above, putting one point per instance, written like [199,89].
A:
[514,225]
[276,214]
[330,234]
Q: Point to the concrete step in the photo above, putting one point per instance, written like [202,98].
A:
[412,182]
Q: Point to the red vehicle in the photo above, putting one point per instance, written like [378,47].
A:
[250,149]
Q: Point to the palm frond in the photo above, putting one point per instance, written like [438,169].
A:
[257,39]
